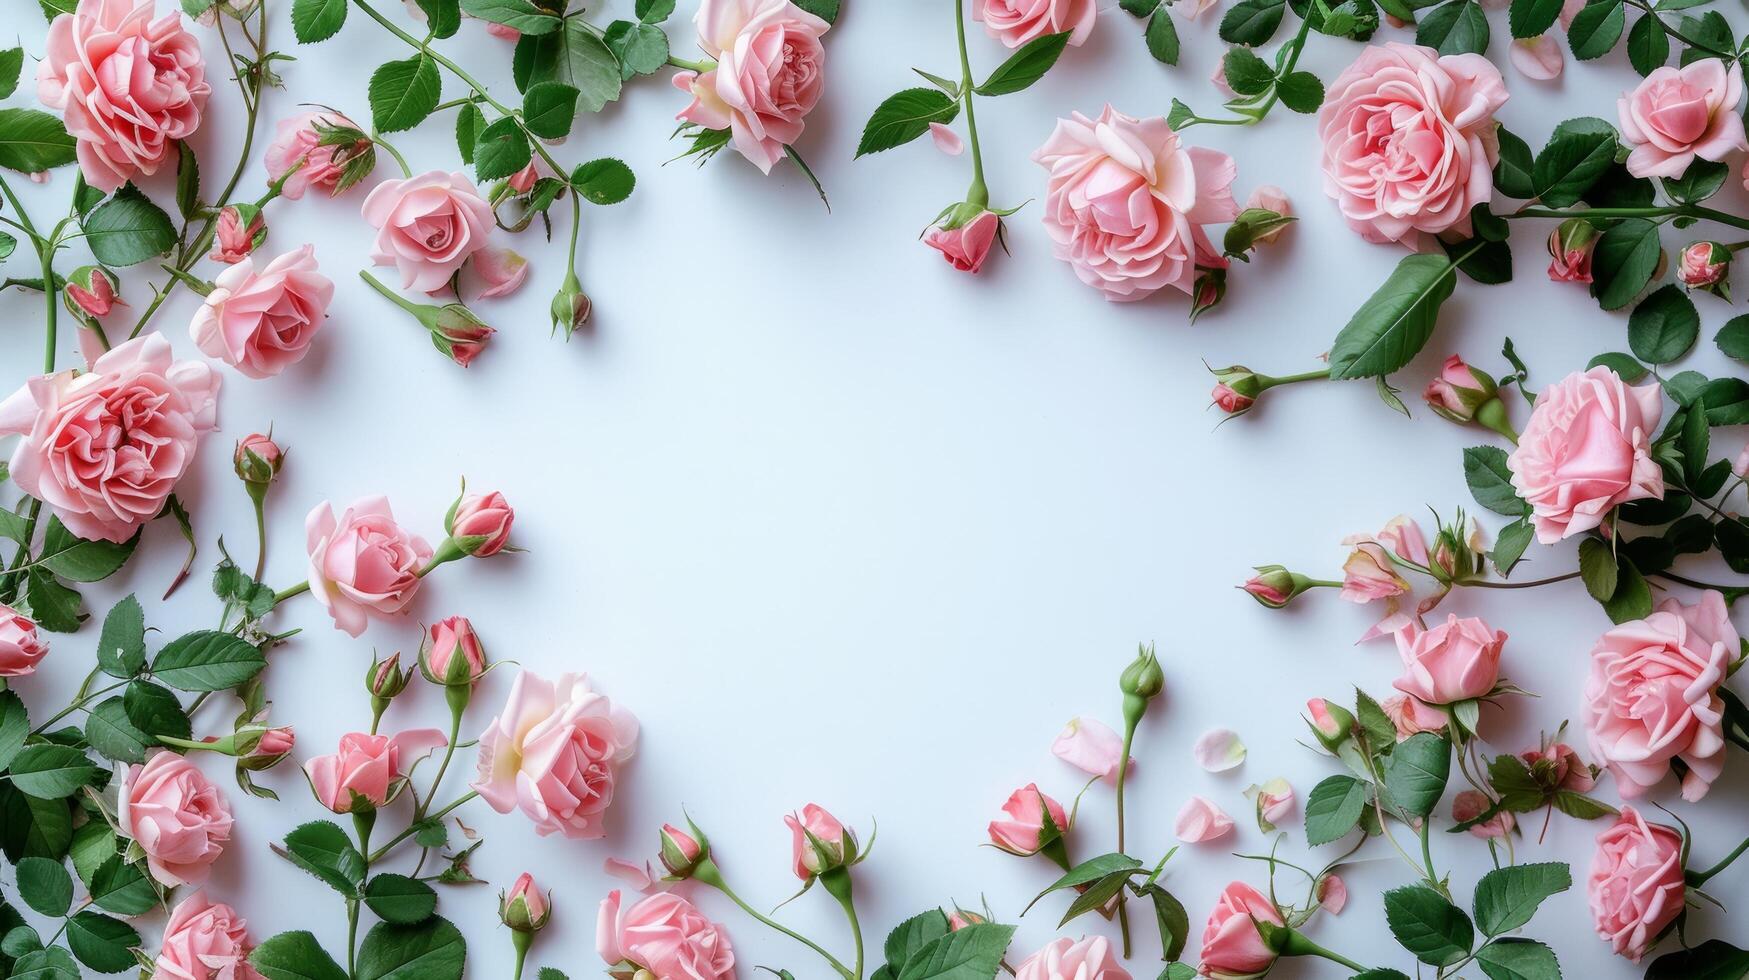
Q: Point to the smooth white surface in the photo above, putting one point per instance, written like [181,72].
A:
[841,525]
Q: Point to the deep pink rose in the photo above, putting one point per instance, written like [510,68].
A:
[427,226]
[295,139]
[1022,831]
[1636,884]
[555,753]
[771,68]
[128,86]
[665,935]
[262,321]
[1016,22]
[1411,716]
[453,645]
[483,518]
[1232,946]
[1470,804]
[1070,959]
[966,247]
[1409,142]
[1653,695]
[1677,114]
[368,770]
[20,648]
[176,815]
[363,563]
[204,940]
[835,845]
[1455,661]
[1091,746]
[1587,449]
[105,448]
[1126,202]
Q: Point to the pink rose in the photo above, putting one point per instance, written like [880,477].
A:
[1677,114]
[1409,141]
[204,940]
[1586,450]
[1652,695]
[818,842]
[1459,390]
[555,753]
[262,322]
[427,226]
[363,563]
[523,180]
[665,935]
[1369,573]
[178,817]
[128,87]
[1411,716]
[959,919]
[1023,832]
[105,448]
[966,246]
[1567,771]
[368,771]
[295,139]
[20,649]
[680,851]
[1126,202]
[1570,248]
[1268,197]
[237,233]
[1200,820]
[257,459]
[1230,401]
[481,522]
[92,290]
[1070,959]
[453,646]
[1091,746]
[770,71]
[1455,661]
[274,746]
[1704,265]
[1636,885]
[1232,947]
[494,272]
[1016,22]
[1470,804]
[523,908]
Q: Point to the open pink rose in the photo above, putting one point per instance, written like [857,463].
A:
[966,247]
[204,940]
[368,770]
[427,226]
[176,815]
[1091,746]
[128,86]
[1455,661]
[1016,22]
[262,321]
[363,563]
[771,68]
[1408,140]
[105,448]
[20,648]
[1677,114]
[1022,831]
[1126,202]
[1072,959]
[295,139]
[1232,947]
[1636,885]
[818,842]
[1653,695]
[1587,449]
[555,753]
[663,935]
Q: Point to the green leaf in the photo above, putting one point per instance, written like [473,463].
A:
[317,20]
[54,606]
[903,117]
[1300,91]
[657,11]
[128,229]
[119,887]
[548,109]
[1416,776]
[522,15]
[1530,18]
[207,660]
[324,850]
[571,55]
[33,827]
[1161,37]
[912,935]
[295,956]
[14,727]
[1733,337]
[45,886]
[1627,256]
[1596,28]
[1392,326]
[1025,66]
[1252,22]
[502,150]
[1578,153]
[1518,959]
[32,141]
[1490,481]
[1454,27]
[1506,898]
[113,736]
[1512,173]
[1597,568]
[826,10]
[604,181]
[432,950]
[102,943]
[1246,73]
[1709,30]
[1623,365]
[403,93]
[442,17]
[48,963]
[1714,959]
[468,124]
[1088,871]
[399,899]
[11,66]
[972,953]
[1663,327]
[1648,45]
[51,772]
[155,711]
[1434,930]
[121,646]
[1334,808]
[1171,919]
[78,560]
[641,48]
[1633,597]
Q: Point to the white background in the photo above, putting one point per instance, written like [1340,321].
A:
[841,525]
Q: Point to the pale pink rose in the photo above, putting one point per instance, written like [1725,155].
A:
[1016,22]
[1636,886]
[1405,539]
[1455,661]
[1570,772]
[665,935]
[946,140]
[484,517]
[1410,716]
[368,771]
[295,139]
[966,247]
[1269,197]
[128,86]
[204,940]
[555,753]
[363,563]
[1332,893]
[1653,695]
[234,236]
[1703,264]
[452,644]
[1126,202]
[1537,58]
[1586,450]
[1200,820]
[1232,947]
[1471,804]
[427,226]
[959,919]
[1022,830]
[105,448]
[1218,750]
[262,321]
[1071,959]
[1677,114]
[1370,574]
[1409,141]
[523,907]
[771,68]
[1091,746]
[816,823]
[176,815]
[20,648]
[494,272]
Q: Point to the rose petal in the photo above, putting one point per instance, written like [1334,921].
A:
[1219,750]
[639,877]
[1538,58]
[1332,893]
[1200,820]
[946,140]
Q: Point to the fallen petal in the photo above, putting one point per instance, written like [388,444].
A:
[1538,58]
[946,140]
[1219,750]
[1200,820]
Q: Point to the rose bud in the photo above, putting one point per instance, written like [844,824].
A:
[1032,822]
[20,649]
[1332,723]
[681,852]
[1207,291]
[480,523]
[570,306]
[1459,391]
[523,180]
[1570,247]
[1143,678]
[453,654]
[959,919]
[459,334]
[964,241]
[239,230]
[91,291]
[1269,197]
[523,908]
[1236,389]
[271,747]
[1706,266]
[1275,586]
[384,680]
[257,459]
[819,843]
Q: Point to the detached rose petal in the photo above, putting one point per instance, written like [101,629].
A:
[1201,820]
[1332,893]
[946,140]
[1219,750]
[1538,58]
[1090,746]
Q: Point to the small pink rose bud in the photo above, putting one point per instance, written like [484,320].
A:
[503,32]
[453,653]
[91,291]
[1459,391]
[1470,804]
[459,334]
[257,459]
[20,648]
[965,242]
[1030,822]
[1207,291]
[570,306]
[480,523]
[523,180]
[523,908]
[1236,389]
[959,919]
[385,679]
[819,843]
[1706,266]
[1275,586]
[1269,197]
[272,748]
[1561,767]
[1331,723]
[1570,247]
[680,851]
[1369,573]
[239,230]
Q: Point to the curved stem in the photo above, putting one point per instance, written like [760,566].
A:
[286,593]
[394,842]
[708,873]
[1699,878]
[1123,771]
[1298,945]
[1533,583]
[837,884]
[260,536]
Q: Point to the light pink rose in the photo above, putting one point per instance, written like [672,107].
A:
[1741,466]
[1091,746]
[237,233]
[1200,820]
[1636,885]
[494,272]
[1071,959]
[1470,804]
[1537,58]
[966,247]
[1586,450]
[665,935]
[295,139]
[1022,831]
[1455,661]
[176,815]
[1569,771]
[524,180]
[1677,114]
[368,771]
[262,321]
[1653,695]
[771,68]
[427,226]
[105,448]
[128,86]
[1410,716]
[204,940]
[452,644]
[1016,22]
[363,563]
[485,517]
[821,826]
[1231,945]
[20,648]
[1703,265]
[1409,141]
[555,753]
[1126,202]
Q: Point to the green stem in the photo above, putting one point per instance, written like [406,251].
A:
[295,590]
[698,66]
[1266,382]
[1533,583]
[362,822]
[1665,211]
[837,884]
[1298,945]
[406,171]
[259,499]
[708,873]
[1123,772]
[77,705]
[1675,34]
[979,193]
[1699,878]
[394,842]
[417,309]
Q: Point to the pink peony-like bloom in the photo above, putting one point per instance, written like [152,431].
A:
[662,935]
[20,647]
[1470,804]
[1017,22]
[427,226]
[1409,141]
[1586,450]
[368,771]
[1677,114]
[494,272]
[204,940]
[106,447]
[771,68]
[966,246]
[363,563]
[1455,661]
[1022,831]
[1411,716]
[1091,746]
[1200,820]
[453,646]
[176,815]
[1569,772]
[1636,886]
[128,87]
[295,139]
[1652,695]
[237,233]
[555,753]
[484,517]
[1126,202]
[1073,959]
[835,844]
[1232,946]
[262,321]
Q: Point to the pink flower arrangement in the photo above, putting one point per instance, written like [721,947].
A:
[263,321]
[555,753]
[177,816]
[769,73]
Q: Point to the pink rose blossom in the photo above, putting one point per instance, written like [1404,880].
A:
[680,851]
[485,518]
[1091,746]
[1537,58]
[128,87]
[1022,831]
[1703,265]
[1569,10]
[662,935]
[363,563]
[176,815]
[295,139]
[1370,574]
[427,226]
[1200,820]
[494,272]
[959,919]
[20,647]
[771,68]
[1232,946]
[1409,142]
[237,233]
[93,290]
[503,32]
[1411,716]
[1585,451]
[1677,114]
[817,825]
[1126,202]
[1230,401]
[263,321]
[1455,661]
[204,940]
[1070,959]
[966,247]
[524,180]
[452,645]
[1017,22]
[524,908]
[1471,804]
[1741,466]
[105,448]
[1636,886]
[1568,771]
[1458,390]
[368,771]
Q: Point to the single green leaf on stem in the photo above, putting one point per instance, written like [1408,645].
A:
[1025,66]
[903,117]
[1437,932]
[1392,326]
